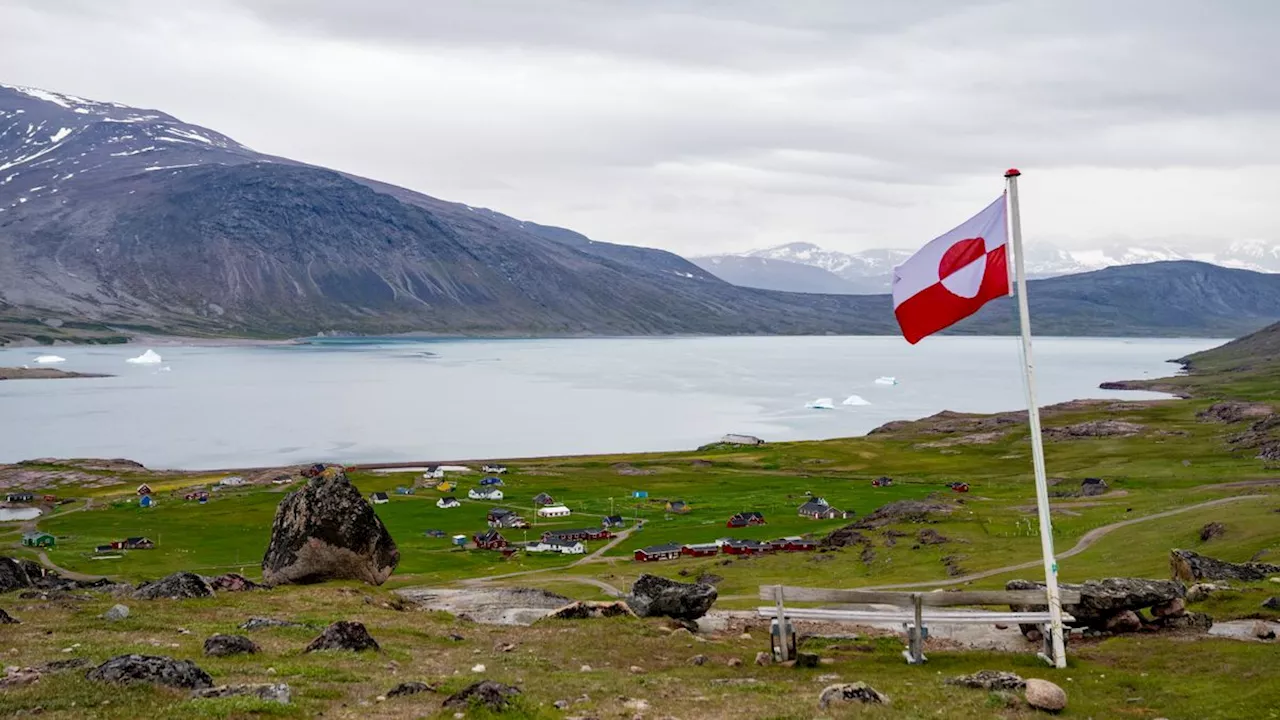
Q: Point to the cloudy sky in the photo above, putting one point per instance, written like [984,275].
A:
[723,125]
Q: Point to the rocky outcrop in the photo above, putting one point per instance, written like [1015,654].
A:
[277,692]
[227,645]
[152,669]
[409,688]
[1189,566]
[904,511]
[262,623]
[929,536]
[1094,429]
[858,692]
[1212,530]
[488,694]
[18,574]
[327,531]
[1233,412]
[233,582]
[656,596]
[586,609]
[1271,603]
[1044,695]
[177,586]
[989,680]
[116,613]
[1101,601]
[344,635]
[7,619]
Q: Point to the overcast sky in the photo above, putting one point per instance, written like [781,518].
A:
[723,125]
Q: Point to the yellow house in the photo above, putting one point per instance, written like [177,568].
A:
[447,486]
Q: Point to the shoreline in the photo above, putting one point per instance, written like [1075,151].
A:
[24,373]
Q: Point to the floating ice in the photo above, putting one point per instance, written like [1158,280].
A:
[855,400]
[821,404]
[147,358]
[50,359]
[886,380]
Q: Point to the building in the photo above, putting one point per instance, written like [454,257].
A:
[199,496]
[460,540]
[50,498]
[378,498]
[882,482]
[144,489]
[552,511]
[433,473]
[960,487]
[745,547]
[484,494]
[490,540]
[655,553]
[22,497]
[446,486]
[313,471]
[735,439]
[104,548]
[401,490]
[744,519]
[233,481]
[503,518]
[146,501]
[135,543]
[492,482]
[446,503]
[38,539]
[679,507]
[580,534]
[543,499]
[819,509]
[700,550]
[493,469]
[566,547]
[795,544]
[614,521]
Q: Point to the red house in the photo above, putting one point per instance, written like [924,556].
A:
[701,550]
[654,553]
[744,547]
[490,540]
[576,535]
[744,519]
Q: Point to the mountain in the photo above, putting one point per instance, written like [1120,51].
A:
[117,220]
[766,274]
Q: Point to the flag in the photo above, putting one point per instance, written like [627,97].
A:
[952,277]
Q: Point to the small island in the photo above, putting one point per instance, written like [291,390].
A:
[43,374]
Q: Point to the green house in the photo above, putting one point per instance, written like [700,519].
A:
[38,539]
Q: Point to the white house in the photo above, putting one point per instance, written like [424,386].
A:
[494,469]
[558,546]
[231,481]
[445,503]
[434,472]
[552,511]
[485,494]
[378,498]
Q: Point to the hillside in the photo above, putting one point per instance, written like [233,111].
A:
[783,275]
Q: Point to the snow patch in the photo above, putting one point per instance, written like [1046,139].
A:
[58,136]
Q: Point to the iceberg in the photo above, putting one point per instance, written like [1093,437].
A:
[820,404]
[855,400]
[147,358]
[886,380]
[50,359]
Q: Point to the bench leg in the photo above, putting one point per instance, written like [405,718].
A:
[1046,654]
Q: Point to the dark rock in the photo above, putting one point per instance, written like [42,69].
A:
[807,660]
[1272,603]
[1212,530]
[1125,621]
[1190,566]
[7,619]
[176,586]
[261,623]
[698,660]
[903,511]
[1094,429]
[586,609]
[488,694]
[707,578]
[182,674]
[847,536]
[344,635]
[1195,621]
[1044,695]
[929,536]
[226,645]
[409,688]
[57,666]
[850,693]
[116,613]
[18,574]
[989,680]
[233,582]
[1263,631]
[1101,599]
[1173,608]
[456,637]
[326,530]
[1232,412]
[653,596]
[1092,487]
[278,692]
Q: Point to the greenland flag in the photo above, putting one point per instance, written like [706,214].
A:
[953,276]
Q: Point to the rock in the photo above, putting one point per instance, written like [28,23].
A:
[989,680]
[261,623]
[1093,487]
[763,658]
[735,662]
[182,674]
[901,511]
[636,705]
[1198,622]
[850,693]
[504,647]
[653,596]
[18,574]
[488,694]
[478,668]
[1271,603]
[1263,631]
[637,670]
[1232,412]
[278,692]
[1101,599]
[456,637]
[409,688]
[1094,428]
[326,530]
[1173,608]
[174,587]
[233,582]
[344,635]
[57,666]
[7,619]
[15,676]
[1212,530]
[1190,566]
[1044,695]
[560,705]
[227,645]
[585,668]
[707,578]
[116,613]
[807,660]
[698,660]
[929,536]
[1125,621]
[1200,592]
[586,609]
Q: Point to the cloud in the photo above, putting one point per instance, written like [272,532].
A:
[716,126]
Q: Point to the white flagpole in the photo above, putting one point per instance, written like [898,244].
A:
[1059,658]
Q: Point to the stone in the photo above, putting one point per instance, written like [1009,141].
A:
[636,670]
[858,692]
[277,692]
[1092,487]
[1044,695]
[7,619]
[233,582]
[478,668]
[15,676]
[698,660]
[1201,591]
[653,596]
[636,705]
[989,680]
[57,666]
[1212,530]
[585,668]
[409,688]
[326,530]
[763,658]
[1263,631]
[1199,622]
[227,645]
[735,662]
[123,669]
[18,574]
[560,705]
[1189,566]
[262,623]
[807,660]
[1173,608]
[585,610]
[1101,599]
[116,613]
[929,536]
[1125,621]
[1271,603]
[488,694]
[344,635]
[179,585]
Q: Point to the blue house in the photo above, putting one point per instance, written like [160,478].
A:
[492,482]
[146,501]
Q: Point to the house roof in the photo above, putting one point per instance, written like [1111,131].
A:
[554,508]
[35,535]
[702,546]
[814,507]
[664,548]
[136,540]
[490,535]
[614,518]
[449,499]
[560,543]
[501,512]
[380,495]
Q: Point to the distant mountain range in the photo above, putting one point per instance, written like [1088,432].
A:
[869,271]
[117,220]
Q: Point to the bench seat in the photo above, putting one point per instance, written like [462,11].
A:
[907,616]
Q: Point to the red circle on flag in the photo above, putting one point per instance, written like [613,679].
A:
[960,256]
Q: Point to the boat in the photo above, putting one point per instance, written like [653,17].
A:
[821,404]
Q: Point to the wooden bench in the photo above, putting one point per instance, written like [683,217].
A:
[914,610]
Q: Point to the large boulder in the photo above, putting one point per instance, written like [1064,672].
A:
[271,692]
[989,680]
[7,619]
[858,692]
[1101,600]
[1189,566]
[586,609]
[151,669]
[233,582]
[227,645]
[18,574]
[1044,695]
[326,530]
[493,696]
[653,596]
[177,586]
[344,635]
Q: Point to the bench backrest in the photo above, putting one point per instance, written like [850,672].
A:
[908,599]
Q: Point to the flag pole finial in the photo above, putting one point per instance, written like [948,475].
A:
[1012,172]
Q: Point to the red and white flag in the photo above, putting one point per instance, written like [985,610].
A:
[953,276]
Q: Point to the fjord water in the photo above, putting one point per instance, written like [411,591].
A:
[395,400]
